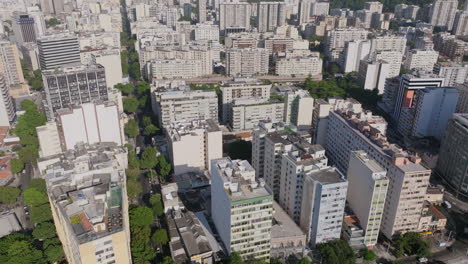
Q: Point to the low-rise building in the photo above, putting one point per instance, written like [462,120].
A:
[245,113]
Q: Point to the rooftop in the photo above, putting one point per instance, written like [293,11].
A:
[369,162]
[326,176]
[181,128]
[283,225]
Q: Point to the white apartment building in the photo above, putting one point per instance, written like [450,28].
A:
[453,74]
[39,22]
[10,65]
[242,88]
[174,68]
[389,43]
[111,61]
[234,15]
[393,58]
[374,6]
[298,105]
[423,60]
[462,105]
[408,180]
[296,163]
[403,11]
[320,8]
[49,140]
[58,50]
[365,18]
[201,10]
[354,52]
[181,103]
[193,145]
[305,10]
[310,65]
[373,74]
[442,13]
[249,61]
[245,113]
[88,198]
[337,39]
[7,108]
[270,15]
[206,32]
[323,205]
[460,25]
[242,208]
[367,191]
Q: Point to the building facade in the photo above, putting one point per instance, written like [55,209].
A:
[58,50]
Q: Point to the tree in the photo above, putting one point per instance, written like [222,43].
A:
[33,197]
[369,255]
[150,130]
[411,243]
[337,252]
[133,162]
[139,244]
[142,88]
[164,166]
[141,216]
[304,260]
[29,153]
[124,62]
[17,165]
[52,22]
[146,121]
[23,252]
[149,159]
[131,128]
[53,253]
[168,260]
[44,231]
[134,71]
[133,188]
[160,237]
[157,205]
[126,89]
[39,184]
[41,213]
[235,258]
[130,104]
[8,195]
[240,150]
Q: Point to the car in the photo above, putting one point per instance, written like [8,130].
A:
[423,260]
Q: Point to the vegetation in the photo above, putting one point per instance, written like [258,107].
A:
[149,158]
[17,165]
[278,97]
[337,252]
[160,237]
[52,22]
[157,205]
[126,89]
[206,87]
[411,243]
[141,216]
[235,258]
[323,89]
[130,104]
[26,130]
[131,128]
[124,62]
[369,255]
[8,195]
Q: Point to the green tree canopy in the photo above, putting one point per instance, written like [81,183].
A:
[133,188]
[235,258]
[41,213]
[150,130]
[323,89]
[157,204]
[141,216]
[149,158]
[142,88]
[17,165]
[134,71]
[130,104]
[53,253]
[146,121]
[164,166]
[168,260]
[411,243]
[139,244]
[126,89]
[304,260]
[23,252]
[8,195]
[369,255]
[337,252]
[131,128]
[38,184]
[34,197]
[160,237]
[44,231]
[133,162]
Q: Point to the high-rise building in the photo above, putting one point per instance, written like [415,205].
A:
[367,190]
[247,61]
[393,58]
[245,113]
[49,140]
[192,145]
[423,60]
[442,13]
[354,52]
[388,43]
[305,65]
[58,50]
[298,105]
[453,154]
[241,208]
[462,105]
[7,109]
[453,73]
[270,15]
[39,22]
[181,103]
[429,114]
[69,86]
[403,11]
[305,9]
[408,180]
[336,40]
[320,8]
[111,61]
[234,16]
[89,203]
[10,64]
[323,204]
[201,11]
[24,28]
[373,74]
[374,7]
[460,25]
[242,88]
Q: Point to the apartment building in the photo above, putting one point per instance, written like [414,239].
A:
[310,65]
[388,43]
[206,32]
[242,208]
[49,140]
[174,68]
[367,190]
[323,205]
[234,16]
[423,60]
[10,65]
[296,163]
[373,74]
[453,154]
[7,109]
[393,58]
[242,88]
[460,25]
[354,52]
[201,11]
[23,26]
[192,145]
[336,40]
[111,61]
[298,105]
[88,197]
[462,105]
[248,61]
[442,13]
[58,50]
[270,15]
[374,6]
[181,103]
[408,180]
[245,113]
[403,11]
[305,10]
[70,86]
[453,73]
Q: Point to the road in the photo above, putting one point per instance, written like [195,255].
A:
[214,79]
